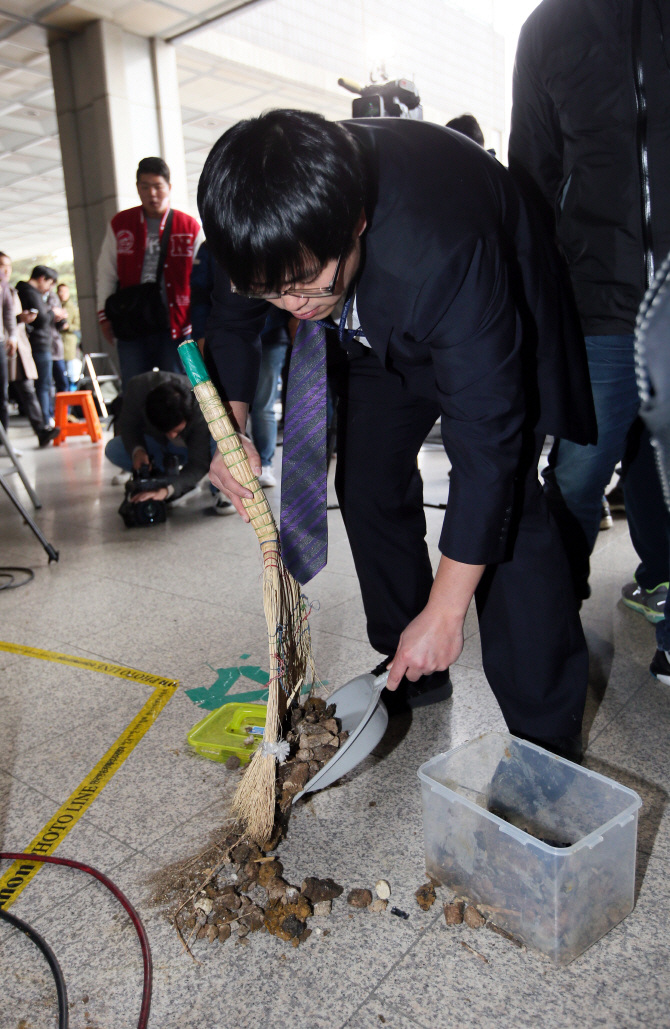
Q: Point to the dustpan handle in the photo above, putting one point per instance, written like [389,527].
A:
[228,443]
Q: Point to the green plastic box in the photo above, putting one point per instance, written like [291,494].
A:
[222,732]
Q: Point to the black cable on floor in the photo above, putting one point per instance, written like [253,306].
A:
[39,941]
[6,573]
[121,897]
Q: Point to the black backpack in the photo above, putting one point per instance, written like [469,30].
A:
[137,311]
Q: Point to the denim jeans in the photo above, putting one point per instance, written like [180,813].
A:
[263,420]
[116,452]
[43,363]
[582,473]
[118,455]
[61,381]
[141,355]
[72,370]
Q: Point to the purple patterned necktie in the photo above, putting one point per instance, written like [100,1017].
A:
[304,524]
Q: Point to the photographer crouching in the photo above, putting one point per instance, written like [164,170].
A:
[164,441]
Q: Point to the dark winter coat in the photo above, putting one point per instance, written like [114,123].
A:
[591,127]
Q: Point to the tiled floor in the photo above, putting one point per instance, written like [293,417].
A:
[183,600]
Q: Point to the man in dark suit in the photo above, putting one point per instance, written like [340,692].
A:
[451,308]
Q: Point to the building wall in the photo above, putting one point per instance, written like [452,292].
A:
[457,59]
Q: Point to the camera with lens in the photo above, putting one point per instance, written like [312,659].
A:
[145,479]
[396,99]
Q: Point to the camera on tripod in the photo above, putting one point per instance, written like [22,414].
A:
[145,479]
[396,99]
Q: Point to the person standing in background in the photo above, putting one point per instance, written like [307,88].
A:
[32,295]
[70,333]
[22,371]
[590,137]
[58,372]
[148,325]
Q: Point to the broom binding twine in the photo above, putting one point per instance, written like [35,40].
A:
[291,660]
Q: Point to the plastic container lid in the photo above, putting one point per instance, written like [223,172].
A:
[221,734]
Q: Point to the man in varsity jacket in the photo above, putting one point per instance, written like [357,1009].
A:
[130,255]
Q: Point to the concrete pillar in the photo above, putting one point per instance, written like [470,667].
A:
[117,101]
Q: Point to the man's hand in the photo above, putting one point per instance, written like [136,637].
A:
[11,346]
[223,479]
[434,640]
[140,457]
[430,643]
[153,494]
[107,331]
[27,317]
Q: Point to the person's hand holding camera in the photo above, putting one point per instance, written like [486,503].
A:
[140,457]
[154,494]
[27,317]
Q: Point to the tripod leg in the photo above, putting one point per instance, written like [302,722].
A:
[52,553]
[4,438]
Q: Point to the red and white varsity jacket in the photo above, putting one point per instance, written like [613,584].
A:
[122,256]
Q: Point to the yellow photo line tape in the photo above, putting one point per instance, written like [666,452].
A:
[21,872]
[106,667]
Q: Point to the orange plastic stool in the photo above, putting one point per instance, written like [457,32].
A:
[81,398]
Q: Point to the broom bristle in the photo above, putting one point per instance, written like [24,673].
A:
[291,662]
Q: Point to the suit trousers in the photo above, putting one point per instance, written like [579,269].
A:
[24,391]
[533,647]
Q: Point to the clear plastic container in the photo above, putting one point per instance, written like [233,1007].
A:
[545,846]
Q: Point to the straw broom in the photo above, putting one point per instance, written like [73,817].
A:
[291,661]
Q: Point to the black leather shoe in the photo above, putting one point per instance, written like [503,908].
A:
[429,689]
[47,436]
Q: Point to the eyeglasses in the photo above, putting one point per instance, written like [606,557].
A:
[322,291]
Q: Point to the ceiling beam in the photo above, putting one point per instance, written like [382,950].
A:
[25,21]
[209,19]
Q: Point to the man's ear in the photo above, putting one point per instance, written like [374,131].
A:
[361,224]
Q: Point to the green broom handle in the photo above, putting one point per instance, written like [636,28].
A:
[228,443]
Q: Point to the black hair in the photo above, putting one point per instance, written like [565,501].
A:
[280,196]
[153,166]
[468,126]
[168,405]
[43,271]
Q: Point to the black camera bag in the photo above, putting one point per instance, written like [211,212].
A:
[138,311]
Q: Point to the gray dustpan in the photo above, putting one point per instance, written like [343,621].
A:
[364,717]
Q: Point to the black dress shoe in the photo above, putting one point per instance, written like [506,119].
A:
[429,689]
[47,435]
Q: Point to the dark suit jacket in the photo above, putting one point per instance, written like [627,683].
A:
[460,297]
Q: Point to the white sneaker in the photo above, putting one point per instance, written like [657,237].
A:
[222,506]
[5,453]
[121,478]
[267,476]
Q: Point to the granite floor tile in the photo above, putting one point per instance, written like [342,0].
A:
[374,1015]
[471,655]
[160,784]
[187,641]
[23,812]
[441,983]
[184,601]
[637,738]
[42,700]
